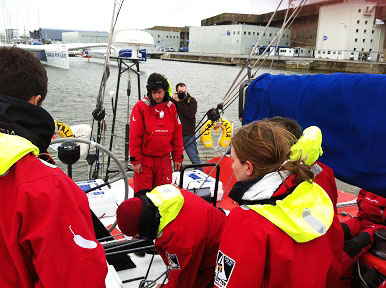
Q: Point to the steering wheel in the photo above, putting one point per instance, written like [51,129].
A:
[120,167]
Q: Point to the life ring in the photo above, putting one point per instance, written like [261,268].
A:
[62,130]
[226,132]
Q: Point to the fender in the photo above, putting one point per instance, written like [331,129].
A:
[226,133]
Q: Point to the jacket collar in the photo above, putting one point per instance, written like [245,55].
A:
[13,148]
[273,186]
[18,117]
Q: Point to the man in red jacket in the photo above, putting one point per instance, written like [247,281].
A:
[186,229]
[155,132]
[46,232]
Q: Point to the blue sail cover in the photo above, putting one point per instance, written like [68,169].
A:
[350,109]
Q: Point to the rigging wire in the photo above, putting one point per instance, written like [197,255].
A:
[281,34]
[295,12]
[230,91]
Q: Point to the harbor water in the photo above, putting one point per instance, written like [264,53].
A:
[72,96]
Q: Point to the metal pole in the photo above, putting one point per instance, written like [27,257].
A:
[114,116]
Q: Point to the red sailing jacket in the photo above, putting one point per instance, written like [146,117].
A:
[256,253]
[155,131]
[46,231]
[189,244]
[324,176]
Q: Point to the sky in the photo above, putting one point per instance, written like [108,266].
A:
[96,14]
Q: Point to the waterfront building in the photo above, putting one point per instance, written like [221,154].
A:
[48,34]
[350,30]
[233,39]
[165,40]
[85,37]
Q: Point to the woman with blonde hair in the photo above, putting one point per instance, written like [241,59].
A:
[285,232]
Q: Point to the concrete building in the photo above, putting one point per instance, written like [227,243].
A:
[232,39]
[304,27]
[350,30]
[85,37]
[47,34]
[11,34]
[167,40]
[184,33]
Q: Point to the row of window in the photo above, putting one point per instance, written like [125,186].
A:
[366,22]
[364,31]
[337,52]
[169,36]
[363,40]
[257,34]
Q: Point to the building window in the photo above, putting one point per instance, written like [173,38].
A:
[370,50]
[372,31]
[234,32]
[357,30]
[364,31]
[366,22]
[286,43]
[363,49]
[355,49]
[329,52]
[264,34]
[371,41]
[301,50]
[334,52]
[339,52]
[270,34]
[360,10]
[238,32]
[257,33]
[356,40]
[158,41]
[318,52]
[167,36]
[364,40]
[324,52]
[249,33]
[158,36]
[358,21]
[309,51]
[245,32]
[253,33]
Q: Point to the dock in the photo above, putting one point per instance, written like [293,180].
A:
[279,62]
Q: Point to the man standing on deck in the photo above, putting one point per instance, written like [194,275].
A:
[155,132]
[187,109]
[46,233]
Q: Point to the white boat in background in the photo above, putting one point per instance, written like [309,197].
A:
[55,55]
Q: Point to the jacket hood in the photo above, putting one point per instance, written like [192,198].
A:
[13,148]
[18,117]
[304,215]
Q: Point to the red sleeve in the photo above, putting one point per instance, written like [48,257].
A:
[137,130]
[56,232]
[177,142]
[182,258]
[242,252]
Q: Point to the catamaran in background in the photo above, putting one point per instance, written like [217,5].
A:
[127,44]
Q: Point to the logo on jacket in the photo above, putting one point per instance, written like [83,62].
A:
[134,119]
[173,262]
[224,268]
[81,242]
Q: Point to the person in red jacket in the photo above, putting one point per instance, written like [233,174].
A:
[323,174]
[285,232]
[155,132]
[186,229]
[46,232]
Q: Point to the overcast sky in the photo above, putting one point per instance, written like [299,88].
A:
[96,14]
